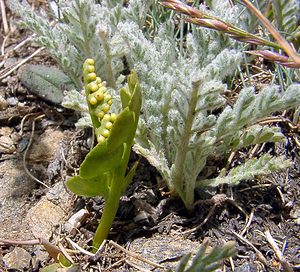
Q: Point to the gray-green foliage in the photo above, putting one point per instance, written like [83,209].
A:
[206,261]
[286,15]
[185,118]
[180,129]
[83,30]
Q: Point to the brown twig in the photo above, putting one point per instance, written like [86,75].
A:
[19,243]
[65,253]
[139,268]
[249,220]
[210,213]
[279,119]
[3,44]
[4,18]
[286,267]
[274,56]
[215,201]
[258,253]
[5,74]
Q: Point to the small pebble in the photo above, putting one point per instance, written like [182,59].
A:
[12,101]
[7,145]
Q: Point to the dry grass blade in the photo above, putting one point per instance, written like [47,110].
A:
[183,8]
[276,57]
[283,43]
[27,149]
[198,17]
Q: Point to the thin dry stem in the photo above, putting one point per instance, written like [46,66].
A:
[276,57]
[4,17]
[286,267]
[283,43]
[2,76]
[198,17]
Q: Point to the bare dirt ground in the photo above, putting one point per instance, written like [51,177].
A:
[40,148]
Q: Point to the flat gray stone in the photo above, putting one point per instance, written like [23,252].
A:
[44,217]
[19,259]
[158,248]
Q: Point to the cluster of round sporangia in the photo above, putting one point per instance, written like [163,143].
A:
[100,100]
[103,131]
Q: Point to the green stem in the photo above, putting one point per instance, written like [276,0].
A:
[109,212]
[186,191]
[164,135]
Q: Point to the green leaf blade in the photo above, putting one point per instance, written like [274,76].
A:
[119,134]
[100,160]
[97,186]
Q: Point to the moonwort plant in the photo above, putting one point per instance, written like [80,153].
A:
[103,171]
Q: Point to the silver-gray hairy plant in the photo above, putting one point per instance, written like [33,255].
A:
[186,120]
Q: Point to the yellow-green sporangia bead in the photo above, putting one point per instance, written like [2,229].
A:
[101,101]
[98,80]
[108,125]
[92,99]
[89,62]
[105,133]
[113,117]
[92,87]
[106,117]
[105,108]
[108,97]
[99,95]
[102,88]
[91,77]
[102,131]
[100,114]
[98,111]
[90,68]
[100,138]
